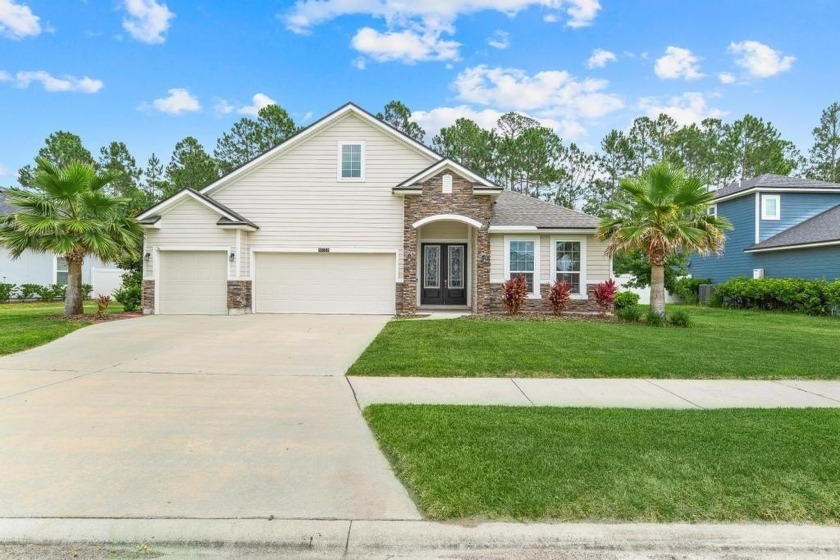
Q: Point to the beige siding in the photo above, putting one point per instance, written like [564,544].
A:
[298,201]
[188,224]
[445,230]
[597,263]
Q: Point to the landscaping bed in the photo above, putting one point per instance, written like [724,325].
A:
[470,462]
[720,344]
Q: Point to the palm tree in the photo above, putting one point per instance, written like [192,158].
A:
[68,213]
[663,212]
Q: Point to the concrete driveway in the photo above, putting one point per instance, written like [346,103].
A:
[194,417]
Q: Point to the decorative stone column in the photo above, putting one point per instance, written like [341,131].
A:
[147,297]
[238,297]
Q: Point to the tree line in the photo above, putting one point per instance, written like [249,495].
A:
[518,153]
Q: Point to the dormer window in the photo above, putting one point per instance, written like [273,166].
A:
[351,161]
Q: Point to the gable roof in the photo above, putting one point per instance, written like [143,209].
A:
[513,209]
[6,207]
[229,217]
[446,163]
[315,128]
[821,229]
[780,182]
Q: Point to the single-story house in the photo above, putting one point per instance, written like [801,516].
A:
[352,216]
[45,269]
[782,227]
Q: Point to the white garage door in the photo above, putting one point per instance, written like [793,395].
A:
[193,283]
[325,283]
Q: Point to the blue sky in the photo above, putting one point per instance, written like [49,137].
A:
[150,72]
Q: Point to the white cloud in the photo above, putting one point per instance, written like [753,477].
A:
[499,39]
[179,101]
[600,58]
[17,20]
[435,119]
[147,21]
[407,46]
[726,78]
[51,83]
[258,101]
[688,108]
[676,63]
[759,60]
[414,30]
[550,93]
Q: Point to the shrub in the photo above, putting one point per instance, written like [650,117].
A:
[87,291]
[833,293]
[102,304]
[560,296]
[689,288]
[605,295]
[679,318]
[58,291]
[514,294]
[7,291]
[129,297]
[814,297]
[654,319]
[28,291]
[629,313]
[624,300]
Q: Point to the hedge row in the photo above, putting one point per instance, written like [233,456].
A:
[25,292]
[814,297]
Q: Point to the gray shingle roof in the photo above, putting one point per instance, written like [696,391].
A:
[514,209]
[821,228]
[776,182]
[5,205]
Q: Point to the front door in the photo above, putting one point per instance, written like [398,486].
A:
[443,274]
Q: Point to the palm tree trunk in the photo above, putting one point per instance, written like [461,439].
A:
[73,299]
[657,289]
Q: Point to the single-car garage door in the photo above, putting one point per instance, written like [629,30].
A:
[325,283]
[193,283]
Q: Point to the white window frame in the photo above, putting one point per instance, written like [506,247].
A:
[56,271]
[341,145]
[712,210]
[584,294]
[764,199]
[535,239]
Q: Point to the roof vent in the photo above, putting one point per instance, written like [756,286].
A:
[447,184]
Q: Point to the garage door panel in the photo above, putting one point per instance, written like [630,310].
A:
[325,283]
[193,283]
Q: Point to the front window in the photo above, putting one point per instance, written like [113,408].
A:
[770,207]
[712,210]
[522,259]
[351,161]
[61,271]
[567,263]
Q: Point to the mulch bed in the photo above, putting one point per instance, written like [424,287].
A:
[93,318]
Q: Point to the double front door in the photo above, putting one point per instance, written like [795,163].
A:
[443,274]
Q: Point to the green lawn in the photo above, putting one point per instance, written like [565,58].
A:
[721,344]
[22,325]
[566,464]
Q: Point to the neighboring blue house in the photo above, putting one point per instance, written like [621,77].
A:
[46,269]
[783,227]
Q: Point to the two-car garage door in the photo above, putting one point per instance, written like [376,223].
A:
[324,283]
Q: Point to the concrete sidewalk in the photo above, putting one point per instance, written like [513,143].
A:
[618,393]
[289,538]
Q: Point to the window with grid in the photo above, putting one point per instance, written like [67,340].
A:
[61,271]
[351,161]
[567,263]
[522,261]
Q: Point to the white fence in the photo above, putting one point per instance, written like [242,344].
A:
[644,293]
[105,281]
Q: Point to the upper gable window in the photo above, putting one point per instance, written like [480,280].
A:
[351,161]
[771,207]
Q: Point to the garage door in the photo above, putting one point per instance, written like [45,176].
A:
[324,283]
[193,283]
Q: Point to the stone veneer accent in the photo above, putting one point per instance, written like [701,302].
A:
[147,297]
[239,296]
[432,202]
[543,305]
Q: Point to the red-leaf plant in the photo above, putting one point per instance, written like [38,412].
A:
[605,295]
[515,294]
[560,296]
